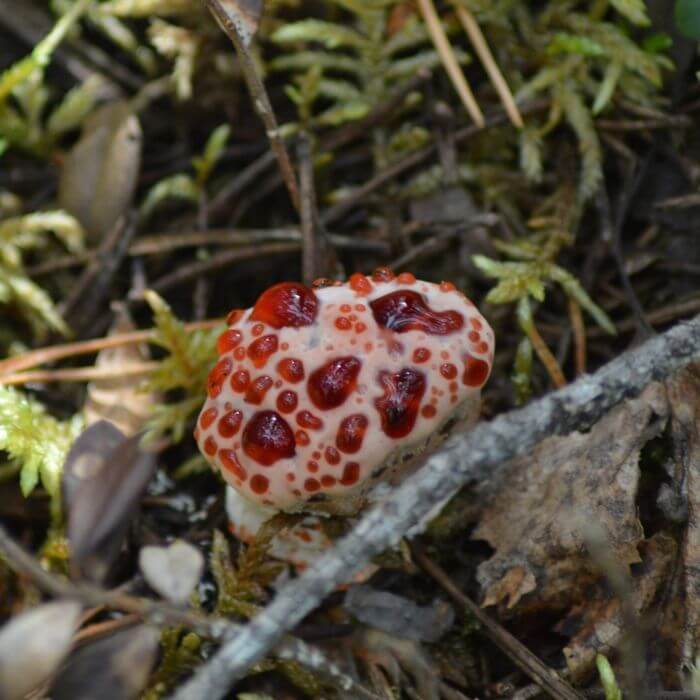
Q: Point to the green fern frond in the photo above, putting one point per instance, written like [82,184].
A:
[190,357]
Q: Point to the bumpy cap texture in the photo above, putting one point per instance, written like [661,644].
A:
[316,387]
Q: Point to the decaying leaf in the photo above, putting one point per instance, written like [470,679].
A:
[540,559]
[32,646]
[172,571]
[105,475]
[677,641]
[100,173]
[119,399]
[598,624]
[399,616]
[113,668]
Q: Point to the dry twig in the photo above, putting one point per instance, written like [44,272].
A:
[261,101]
[545,677]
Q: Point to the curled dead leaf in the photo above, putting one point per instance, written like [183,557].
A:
[105,475]
[540,560]
[33,645]
[119,399]
[100,173]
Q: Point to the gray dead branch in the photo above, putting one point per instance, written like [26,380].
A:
[479,456]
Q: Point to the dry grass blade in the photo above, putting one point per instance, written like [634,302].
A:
[87,347]
[476,36]
[449,60]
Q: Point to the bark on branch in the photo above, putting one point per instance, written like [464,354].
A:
[480,454]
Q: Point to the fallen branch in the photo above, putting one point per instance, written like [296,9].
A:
[481,455]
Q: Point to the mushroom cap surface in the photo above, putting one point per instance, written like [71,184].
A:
[317,390]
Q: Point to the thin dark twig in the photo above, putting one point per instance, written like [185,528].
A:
[160,613]
[310,254]
[228,23]
[612,234]
[478,457]
[545,677]
[184,273]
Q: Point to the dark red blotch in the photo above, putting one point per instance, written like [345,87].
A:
[331,384]
[267,438]
[406,310]
[287,304]
[351,433]
[398,408]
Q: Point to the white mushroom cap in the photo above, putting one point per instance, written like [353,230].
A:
[316,389]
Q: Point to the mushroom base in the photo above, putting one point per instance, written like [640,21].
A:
[304,542]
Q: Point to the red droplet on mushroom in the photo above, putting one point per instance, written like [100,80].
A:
[428,411]
[343,323]
[321,282]
[406,278]
[475,323]
[234,316]
[208,417]
[259,483]
[383,274]
[476,371]
[291,369]
[398,408]
[302,438]
[288,304]
[448,370]
[312,485]
[331,384]
[268,438]
[230,423]
[240,380]
[327,480]
[306,419]
[228,340]
[287,401]
[218,376]
[447,286]
[230,461]
[351,432]
[257,389]
[257,329]
[406,310]
[239,353]
[260,350]
[332,456]
[360,284]
[421,355]
[210,446]
[351,473]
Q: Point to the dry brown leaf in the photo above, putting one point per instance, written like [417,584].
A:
[120,399]
[104,477]
[100,173]
[598,622]
[540,560]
